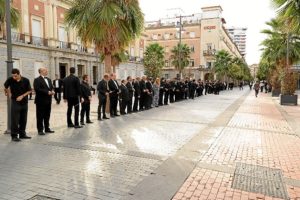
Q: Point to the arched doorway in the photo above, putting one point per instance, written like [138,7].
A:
[208,76]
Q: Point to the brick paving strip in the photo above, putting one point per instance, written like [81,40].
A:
[168,177]
[256,156]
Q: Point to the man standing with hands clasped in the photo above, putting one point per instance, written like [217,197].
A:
[71,88]
[43,99]
[18,88]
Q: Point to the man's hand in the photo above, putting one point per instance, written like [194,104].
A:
[90,98]
[81,100]
[19,98]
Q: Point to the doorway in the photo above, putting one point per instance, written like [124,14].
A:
[62,70]
[95,75]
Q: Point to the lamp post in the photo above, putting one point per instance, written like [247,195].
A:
[180,40]
[9,59]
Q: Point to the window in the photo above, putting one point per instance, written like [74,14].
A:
[192,48]
[167,49]
[167,36]
[36,32]
[62,34]
[192,34]
[208,65]
[192,63]
[167,64]
[131,51]
[154,37]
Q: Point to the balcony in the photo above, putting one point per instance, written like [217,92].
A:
[135,59]
[38,41]
[210,52]
[64,45]
[16,37]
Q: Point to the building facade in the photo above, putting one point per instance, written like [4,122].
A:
[42,39]
[204,33]
[239,37]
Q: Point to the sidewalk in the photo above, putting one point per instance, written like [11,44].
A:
[256,156]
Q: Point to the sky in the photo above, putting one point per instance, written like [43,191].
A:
[252,14]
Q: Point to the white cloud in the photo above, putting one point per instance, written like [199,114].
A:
[242,13]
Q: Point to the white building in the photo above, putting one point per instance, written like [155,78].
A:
[239,37]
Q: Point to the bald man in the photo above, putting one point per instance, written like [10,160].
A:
[44,91]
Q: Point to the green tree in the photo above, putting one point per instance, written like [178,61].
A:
[180,57]
[110,24]
[223,63]
[289,11]
[15,16]
[154,60]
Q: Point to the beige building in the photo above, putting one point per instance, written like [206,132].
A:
[43,39]
[204,33]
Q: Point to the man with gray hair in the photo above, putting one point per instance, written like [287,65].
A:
[43,99]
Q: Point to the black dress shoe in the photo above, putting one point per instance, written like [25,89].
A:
[105,118]
[15,139]
[89,122]
[77,126]
[24,137]
[41,133]
[82,123]
[49,131]
[70,125]
[117,115]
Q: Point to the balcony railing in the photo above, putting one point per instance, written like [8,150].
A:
[135,59]
[38,41]
[16,37]
[210,52]
[64,45]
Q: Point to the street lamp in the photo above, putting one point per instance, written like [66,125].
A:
[9,59]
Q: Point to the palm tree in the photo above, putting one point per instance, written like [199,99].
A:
[154,60]
[223,62]
[289,10]
[110,24]
[15,16]
[180,57]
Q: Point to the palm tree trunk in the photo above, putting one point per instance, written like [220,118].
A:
[107,63]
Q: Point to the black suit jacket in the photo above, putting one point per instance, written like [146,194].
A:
[42,90]
[113,88]
[85,91]
[124,93]
[137,88]
[130,89]
[102,88]
[71,86]
[60,84]
[149,86]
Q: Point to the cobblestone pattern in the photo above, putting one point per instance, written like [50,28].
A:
[67,174]
[258,135]
[204,184]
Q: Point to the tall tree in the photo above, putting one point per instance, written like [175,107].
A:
[180,57]
[110,24]
[154,60]
[15,16]
[223,62]
[289,11]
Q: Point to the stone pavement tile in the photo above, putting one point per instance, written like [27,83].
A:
[258,148]
[224,191]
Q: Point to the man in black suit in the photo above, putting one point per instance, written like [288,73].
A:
[143,88]
[137,94]
[86,95]
[57,84]
[124,97]
[167,89]
[71,88]
[18,88]
[149,97]
[161,91]
[131,92]
[114,89]
[103,92]
[43,99]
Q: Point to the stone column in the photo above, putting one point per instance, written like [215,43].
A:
[52,68]
[76,67]
[57,66]
[55,31]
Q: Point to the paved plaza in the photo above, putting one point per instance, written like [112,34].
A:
[230,146]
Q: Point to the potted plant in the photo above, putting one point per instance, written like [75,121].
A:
[288,88]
